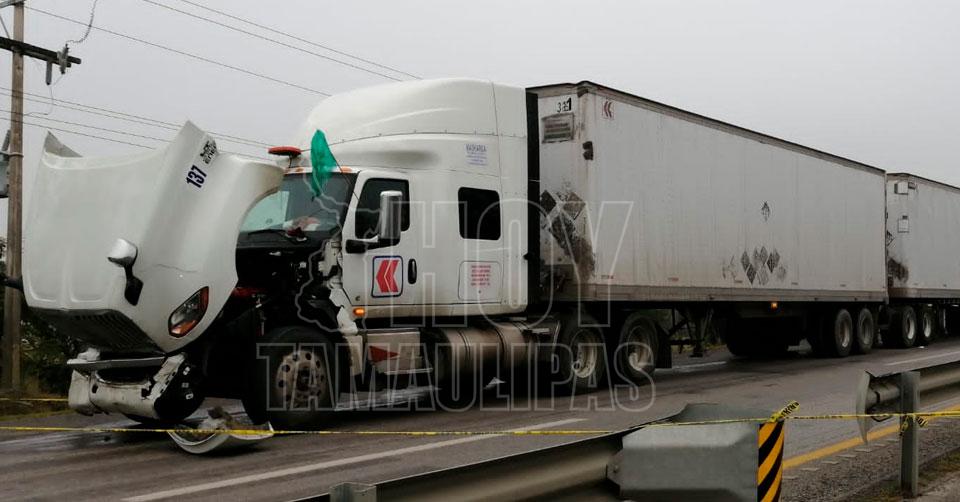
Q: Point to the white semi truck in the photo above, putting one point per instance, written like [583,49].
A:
[471,230]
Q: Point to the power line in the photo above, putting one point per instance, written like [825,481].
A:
[315,44]
[136,119]
[93,12]
[283,44]
[104,129]
[71,131]
[84,134]
[180,52]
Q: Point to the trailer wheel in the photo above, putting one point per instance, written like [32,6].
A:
[838,337]
[634,357]
[579,356]
[296,378]
[942,320]
[903,327]
[928,326]
[866,331]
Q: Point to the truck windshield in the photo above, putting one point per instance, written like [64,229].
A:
[294,206]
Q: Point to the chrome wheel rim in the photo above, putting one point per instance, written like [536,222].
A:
[910,328]
[639,354]
[927,325]
[586,353]
[846,333]
[301,378]
[866,332]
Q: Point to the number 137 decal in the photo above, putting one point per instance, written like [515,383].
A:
[196,176]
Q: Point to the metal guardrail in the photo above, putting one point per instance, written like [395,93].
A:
[736,456]
[901,393]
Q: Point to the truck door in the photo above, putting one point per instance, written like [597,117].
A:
[478,233]
[381,275]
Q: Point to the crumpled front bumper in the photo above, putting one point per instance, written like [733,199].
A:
[165,394]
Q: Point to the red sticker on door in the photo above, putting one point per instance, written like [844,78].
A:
[387,276]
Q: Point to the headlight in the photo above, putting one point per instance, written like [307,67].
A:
[189,313]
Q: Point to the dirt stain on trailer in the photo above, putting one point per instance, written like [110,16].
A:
[897,270]
[562,208]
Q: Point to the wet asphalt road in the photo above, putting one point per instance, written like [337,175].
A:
[146,466]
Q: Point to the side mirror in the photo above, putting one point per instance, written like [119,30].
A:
[124,255]
[390,212]
[388,227]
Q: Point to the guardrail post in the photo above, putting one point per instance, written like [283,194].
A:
[910,438]
[353,492]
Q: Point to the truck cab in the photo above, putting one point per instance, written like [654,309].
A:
[189,272]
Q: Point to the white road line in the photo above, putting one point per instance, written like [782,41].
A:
[925,358]
[279,473]
[694,367]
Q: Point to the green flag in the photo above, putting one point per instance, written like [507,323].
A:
[322,160]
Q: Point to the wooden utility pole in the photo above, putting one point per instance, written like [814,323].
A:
[13,298]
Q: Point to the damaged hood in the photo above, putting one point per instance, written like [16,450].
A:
[181,208]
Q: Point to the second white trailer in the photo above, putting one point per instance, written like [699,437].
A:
[923,268]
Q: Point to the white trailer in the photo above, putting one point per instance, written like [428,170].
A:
[468,230]
[667,205]
[923,268]
[649,204]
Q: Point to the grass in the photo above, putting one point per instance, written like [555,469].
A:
[10,407]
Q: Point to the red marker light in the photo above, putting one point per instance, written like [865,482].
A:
[285,151]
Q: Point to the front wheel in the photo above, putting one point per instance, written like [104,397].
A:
[296,379]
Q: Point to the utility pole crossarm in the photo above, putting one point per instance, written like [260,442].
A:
[35,52]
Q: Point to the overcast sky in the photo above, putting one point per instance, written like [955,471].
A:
[876,81]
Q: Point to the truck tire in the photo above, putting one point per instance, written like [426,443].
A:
[296,379]
[928,326]
[634,356]
[579,362]
[942,321]
[903,327]
[838,336]
[866,331]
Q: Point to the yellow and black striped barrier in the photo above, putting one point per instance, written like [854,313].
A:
[770,461]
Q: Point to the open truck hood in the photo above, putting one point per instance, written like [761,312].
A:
[181,206]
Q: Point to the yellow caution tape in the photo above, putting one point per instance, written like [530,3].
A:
[921,418]
[34,399]
[786,411]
